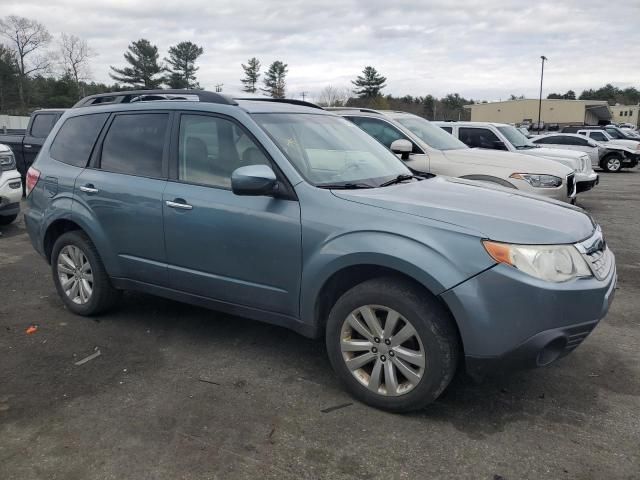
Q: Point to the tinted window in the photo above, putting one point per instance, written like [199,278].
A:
[382,131]
[42,125]
[546,140]
[447,129]
[134,144]
[599,136]
[580,142]
[478,137]
[75,139]
[211,148]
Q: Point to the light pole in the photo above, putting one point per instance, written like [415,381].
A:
[540,99]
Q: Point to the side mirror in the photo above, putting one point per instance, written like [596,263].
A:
[255,180]
[499,145]
[402,147]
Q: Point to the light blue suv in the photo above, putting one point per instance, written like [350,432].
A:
[285,213]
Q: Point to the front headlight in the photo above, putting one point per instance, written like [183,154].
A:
[538,180]
[553,263]
[7,161]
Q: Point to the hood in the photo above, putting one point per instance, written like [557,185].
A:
[514,162]
[632,144]
[496,213]
[556,154]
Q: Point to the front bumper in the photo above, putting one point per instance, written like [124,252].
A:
[586,184]
[509,320]
[631,161]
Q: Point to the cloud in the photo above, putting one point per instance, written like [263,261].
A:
[481,49]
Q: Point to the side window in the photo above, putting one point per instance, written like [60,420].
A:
[211,148]
[383,132]
[75,139]
[448,129]
[42,124]
[545,140]
[134,144]
[599,136]
[478,137]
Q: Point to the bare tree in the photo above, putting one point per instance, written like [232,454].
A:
[27,38]
[75,55]
[331,96]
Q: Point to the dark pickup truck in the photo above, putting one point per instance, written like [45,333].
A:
[25,146]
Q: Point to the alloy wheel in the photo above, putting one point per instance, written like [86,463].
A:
[382,350]
[75,274]
[613,164]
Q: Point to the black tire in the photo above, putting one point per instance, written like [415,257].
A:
[103,296]
[7,219]
[611,163]
[430,320]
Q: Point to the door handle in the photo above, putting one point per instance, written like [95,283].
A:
[179,205]
[89,189]
[27,146]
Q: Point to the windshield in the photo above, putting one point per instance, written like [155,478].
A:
[516,138]
[329,150]
[614,132]
[432,135]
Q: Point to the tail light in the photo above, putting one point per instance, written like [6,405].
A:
[33,176]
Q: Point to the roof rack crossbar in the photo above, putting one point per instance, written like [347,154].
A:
[301,103]
[129,96]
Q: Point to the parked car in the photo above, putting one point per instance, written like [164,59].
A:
[610,158]
[25,146]
[614,132]
[428,149]
[604,137]
[500,136]
[289,214]
[10,187]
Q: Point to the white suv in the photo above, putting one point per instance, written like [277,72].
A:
[500,136]
[426,148]
[10,186]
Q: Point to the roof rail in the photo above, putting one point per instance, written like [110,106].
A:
[357,109]
[130,96]
[301,103]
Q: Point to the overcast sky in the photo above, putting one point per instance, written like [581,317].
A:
[485,49]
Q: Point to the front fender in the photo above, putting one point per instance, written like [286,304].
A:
[433,265]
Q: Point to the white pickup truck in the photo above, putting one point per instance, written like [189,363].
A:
[10,186]
[500,136]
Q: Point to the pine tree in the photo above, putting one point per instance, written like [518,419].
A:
[182,65]
[274,79]
[251,75]
[145,71]
[370,83]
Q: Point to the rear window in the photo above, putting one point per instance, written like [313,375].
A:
[134,144]
[42,124]
[75,139]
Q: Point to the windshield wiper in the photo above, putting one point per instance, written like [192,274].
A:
[403,177]
[345,186]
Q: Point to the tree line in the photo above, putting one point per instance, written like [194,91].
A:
[40,71]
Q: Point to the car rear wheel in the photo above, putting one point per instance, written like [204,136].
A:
[79,275]
[392,344]
[7,219]
[612,164]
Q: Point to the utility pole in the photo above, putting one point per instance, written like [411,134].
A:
[219,87]
[304,95]
[540,99]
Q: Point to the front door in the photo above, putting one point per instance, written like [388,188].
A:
[239,250]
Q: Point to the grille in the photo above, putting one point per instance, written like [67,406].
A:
[571,185]
[597,254]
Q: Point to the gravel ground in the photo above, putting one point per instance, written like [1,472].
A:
[185,393]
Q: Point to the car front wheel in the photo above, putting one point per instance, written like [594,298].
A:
[392,344]
[612,164]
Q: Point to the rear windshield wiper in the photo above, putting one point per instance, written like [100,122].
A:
[345,186]
[403,177]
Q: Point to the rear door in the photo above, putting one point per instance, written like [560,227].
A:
[121,194]
[240,250]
